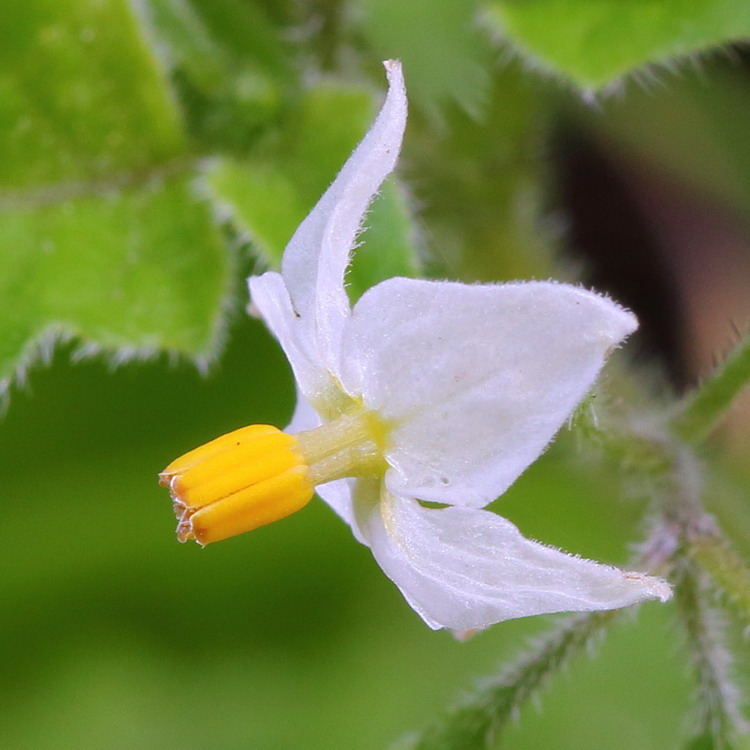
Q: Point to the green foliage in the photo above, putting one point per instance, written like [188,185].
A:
[483,714]
[82,96]
[483,182]
[228,64]
[269,193]
[140,140]
[109,236]
[103,237]
[444,53]
[134,272]
[595,42]
[704,409]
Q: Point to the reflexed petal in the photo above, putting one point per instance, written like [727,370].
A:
[463,568]
[474,380]
[270,296]
[339,494]
[345,495]
[304,417]
[316,258]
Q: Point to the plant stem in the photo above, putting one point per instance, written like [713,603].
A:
[728,570]
[719,720]
[703,409]
[477,720]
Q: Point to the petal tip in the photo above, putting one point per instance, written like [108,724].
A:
[464,635]
[629,322]
[617,321]
[395,75]
[393,71]
[653,587]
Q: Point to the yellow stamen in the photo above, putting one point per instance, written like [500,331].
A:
[255,506]
[236,483]
[258,474]
[208,450]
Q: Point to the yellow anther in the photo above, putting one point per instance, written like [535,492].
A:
[236,483]
[254,506]
[211,449]
[258,474]
[242,464]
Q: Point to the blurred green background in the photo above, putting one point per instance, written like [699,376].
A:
[114,635]
[156,152]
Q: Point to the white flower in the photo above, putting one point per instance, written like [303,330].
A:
[423,391]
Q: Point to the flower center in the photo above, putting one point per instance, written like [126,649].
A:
[258,474]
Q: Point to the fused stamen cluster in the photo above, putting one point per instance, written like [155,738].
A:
[238,482]
[258,474]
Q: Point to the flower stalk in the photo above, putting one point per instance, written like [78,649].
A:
[729,572]
[479,719]
[718,715]
[703,409]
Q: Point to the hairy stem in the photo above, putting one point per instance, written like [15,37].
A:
[478,719]
[718,717]
[702,410]
[728,571]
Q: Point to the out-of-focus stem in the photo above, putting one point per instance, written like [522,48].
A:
[704,408]
[728,570]
[719,719]
[480,717]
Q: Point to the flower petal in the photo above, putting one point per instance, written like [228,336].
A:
[344,496]
[338,494]
[463,568]
[474,381]
[269,294]
[316,257]
[304,417]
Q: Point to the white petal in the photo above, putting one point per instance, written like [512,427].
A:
[339,494]
[316,258]
[270,296]
[474,381]
[463,568]
[345,495]
[304,417]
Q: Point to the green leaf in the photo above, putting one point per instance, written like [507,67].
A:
[595,42]
[80,95]
[136,271]
[228,64]
[269,194]
[482,181]
[101,232]
[445,56]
